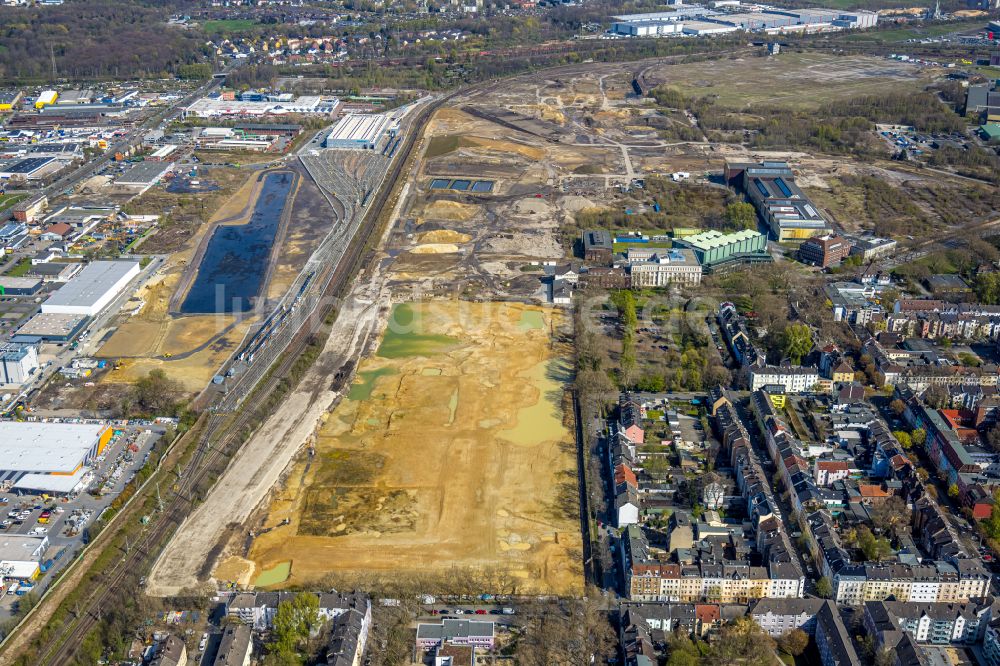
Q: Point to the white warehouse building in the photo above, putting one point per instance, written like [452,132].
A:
[92,289]
[359,130]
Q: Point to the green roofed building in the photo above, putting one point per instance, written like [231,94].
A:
[717,251]
[990,131]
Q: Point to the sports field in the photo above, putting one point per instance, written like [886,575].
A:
[452,451]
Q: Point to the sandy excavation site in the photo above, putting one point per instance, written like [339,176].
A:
[450,451]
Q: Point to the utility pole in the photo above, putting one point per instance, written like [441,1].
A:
[52,57]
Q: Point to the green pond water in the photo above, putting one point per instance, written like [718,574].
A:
[279,573]
[362,390]
[403,336]
[543,420]
[531,320]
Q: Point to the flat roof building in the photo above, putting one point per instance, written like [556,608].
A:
[824,251]
[597,245]
[55,271]
[20,555]
[214,107]
[48,327]
[45,98]
[144,175]
[8,99]
[76,97]
[700,28]
[358,130]
[162,153]
[93,289]
[873,248]
[19,286]
[49,457]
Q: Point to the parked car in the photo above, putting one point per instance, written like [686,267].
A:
[480,612]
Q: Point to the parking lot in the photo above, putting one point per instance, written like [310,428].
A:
[64,520]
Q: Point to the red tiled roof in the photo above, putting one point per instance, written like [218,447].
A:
[60,228]
[833,465]
[899,461]
[707,613]
[624,474]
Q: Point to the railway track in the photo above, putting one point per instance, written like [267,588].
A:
[222,430]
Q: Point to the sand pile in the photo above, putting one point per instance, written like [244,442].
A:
[443,236]
[435,248]
[450,210]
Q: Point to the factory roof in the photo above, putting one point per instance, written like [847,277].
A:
[359,127]
[163,151]
[28,165]
[76,96]
[8,282]
[262,127]
[144,173]
[709,26]
[46,447]
[681,12]
[712,239]
[991,131]
[49,325]
[92,283]
[55,148]
[17,547]
[51,483]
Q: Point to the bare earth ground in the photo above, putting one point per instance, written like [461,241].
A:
[803,80]
[458,458]
[203,540]
[258,466]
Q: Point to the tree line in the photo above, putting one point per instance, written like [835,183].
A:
[92,39]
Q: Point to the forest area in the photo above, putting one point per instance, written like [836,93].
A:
[92,40]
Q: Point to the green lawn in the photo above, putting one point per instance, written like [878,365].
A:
[228,25]
[21,268]
[8,200]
